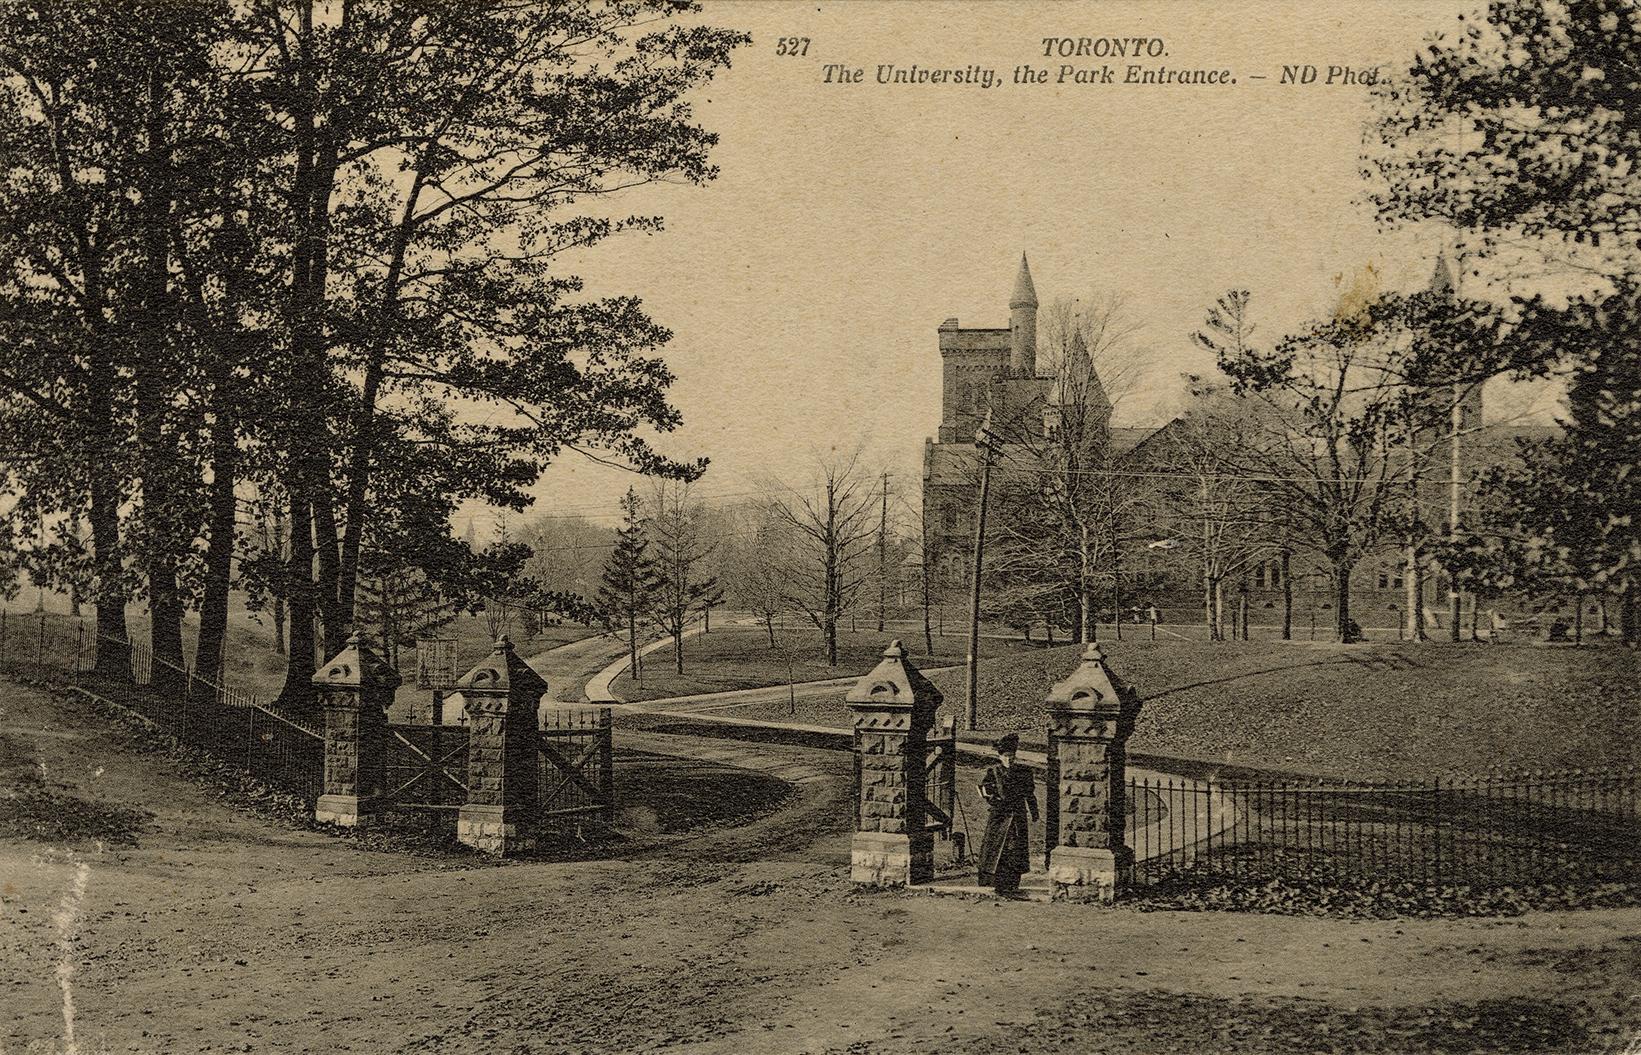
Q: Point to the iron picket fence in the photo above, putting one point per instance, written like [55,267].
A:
[1502,829]
[234,727]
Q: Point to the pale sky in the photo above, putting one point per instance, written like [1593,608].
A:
[805,285]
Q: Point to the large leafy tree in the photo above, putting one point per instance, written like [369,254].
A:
[1521,131]
[444,159]
[1569,514]
[1520,123]
[1330,408]
[285,243]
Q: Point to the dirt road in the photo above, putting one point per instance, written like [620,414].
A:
[222,932]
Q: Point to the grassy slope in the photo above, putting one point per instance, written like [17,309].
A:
[1361,711]
[254,667]
[740,658]
[1384,710]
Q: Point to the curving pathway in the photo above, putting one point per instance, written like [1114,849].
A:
[1192,811]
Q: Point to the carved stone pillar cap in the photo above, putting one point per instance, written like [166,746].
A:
[502,671]
[357,666]
[895,683]
[1091,686]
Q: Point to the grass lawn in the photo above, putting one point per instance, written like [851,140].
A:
[1379,710]
[740,658]
[253,666]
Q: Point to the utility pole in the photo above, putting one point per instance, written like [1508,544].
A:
[971,704]
[883,555]
[924,553]
[1454,497]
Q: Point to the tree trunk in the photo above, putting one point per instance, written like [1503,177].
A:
[296,696]
[219,558]
[1341,592]
[1412,628]
[1578,619]
[1087,627]
[1219,609]
[1242,610]
[1116,599]
[769,625]
[113,639]
[632,644]
[1287,600]
[335,620]
[1209,589]
[1629,616]
[166,531]
[678,647]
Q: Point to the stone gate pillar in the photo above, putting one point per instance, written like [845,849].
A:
[501,694]
[1091,715]
[355,689]
[894,709]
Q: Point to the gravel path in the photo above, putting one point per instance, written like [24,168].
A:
[220,932]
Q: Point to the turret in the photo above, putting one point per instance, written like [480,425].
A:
[1442,284]
[1441,280]
[1023,324]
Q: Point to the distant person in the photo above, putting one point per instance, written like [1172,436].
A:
[1560,630]
[1153,615]
[1497,625]
[1005,852]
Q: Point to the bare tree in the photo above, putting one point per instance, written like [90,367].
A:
[1329,410]
[756,580]
[676,529]
[1074,515]
[1233,526]
[833,533]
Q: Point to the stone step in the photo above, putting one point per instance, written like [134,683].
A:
[1034,885]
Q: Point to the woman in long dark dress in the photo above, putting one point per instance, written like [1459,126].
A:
[1005,852]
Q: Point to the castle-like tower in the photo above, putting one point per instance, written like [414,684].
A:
[986,370]
[1023,324]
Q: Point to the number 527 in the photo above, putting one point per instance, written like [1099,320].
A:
[792,46]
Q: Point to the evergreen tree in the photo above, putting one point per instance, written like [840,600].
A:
[629,582]
[1569,521]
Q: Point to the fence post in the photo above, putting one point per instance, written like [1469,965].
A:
[606,763]
[1091,716]
[40,649]
[894,707]
[502,696]
[355,689]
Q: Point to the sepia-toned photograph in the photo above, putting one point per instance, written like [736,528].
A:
[846,527]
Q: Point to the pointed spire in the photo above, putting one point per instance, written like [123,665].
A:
[1081,373]
[1441,280]
[1025,294]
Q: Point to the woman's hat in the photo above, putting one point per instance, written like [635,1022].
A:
[1008,744]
